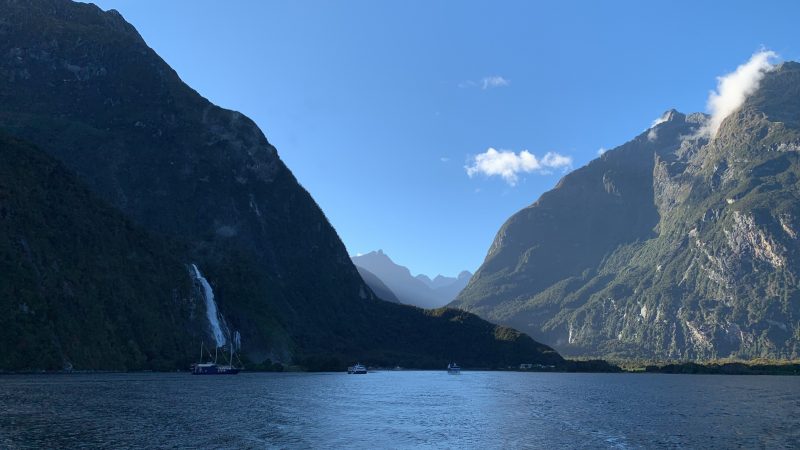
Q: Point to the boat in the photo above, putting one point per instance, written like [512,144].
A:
[357,369]
[453,369]
[212,368]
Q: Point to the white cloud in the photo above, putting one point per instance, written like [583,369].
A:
[554,160]
[491,82]
[494,82]
[735,87]
[508,164]
[444,159]
[601,150]
[664,117]
[652,134]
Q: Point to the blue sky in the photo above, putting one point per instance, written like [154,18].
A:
[378,107]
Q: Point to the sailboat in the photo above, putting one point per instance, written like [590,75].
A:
[212,368]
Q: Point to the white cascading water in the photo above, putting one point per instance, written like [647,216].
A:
[211,307]
[237,340]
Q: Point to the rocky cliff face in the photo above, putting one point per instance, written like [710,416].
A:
[81,84]
[670,246]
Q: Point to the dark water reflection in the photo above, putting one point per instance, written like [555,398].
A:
[399,409]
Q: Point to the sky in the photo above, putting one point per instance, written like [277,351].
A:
[420,127]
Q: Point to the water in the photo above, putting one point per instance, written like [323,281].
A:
[211,307]
[399,409]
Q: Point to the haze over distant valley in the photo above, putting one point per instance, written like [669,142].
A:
[397,284]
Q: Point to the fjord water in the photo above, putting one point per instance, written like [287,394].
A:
[399,409]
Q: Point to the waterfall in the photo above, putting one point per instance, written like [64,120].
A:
[237,340]
[211,307]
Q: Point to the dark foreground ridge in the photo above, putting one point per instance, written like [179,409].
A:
[81,285]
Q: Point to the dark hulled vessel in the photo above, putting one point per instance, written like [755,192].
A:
[212,368]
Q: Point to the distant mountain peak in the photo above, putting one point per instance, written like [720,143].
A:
[419,290]
[424,278]
[377,254]
[672,115]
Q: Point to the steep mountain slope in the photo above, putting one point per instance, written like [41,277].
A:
[419,291]
[69,260]
[83,86]
[378,287]
[670,246]
[570,229]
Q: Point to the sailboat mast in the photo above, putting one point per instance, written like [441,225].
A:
[201,352]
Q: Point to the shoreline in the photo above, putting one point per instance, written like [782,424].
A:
[684,368]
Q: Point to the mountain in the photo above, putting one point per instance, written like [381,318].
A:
[69,259]
[672,245]
[81,85]
[446,288]
[378,287]
[398,279]
[419,291]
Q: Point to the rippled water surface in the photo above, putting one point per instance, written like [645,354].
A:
[399,409]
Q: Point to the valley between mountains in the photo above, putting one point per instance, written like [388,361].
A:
[138,219]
